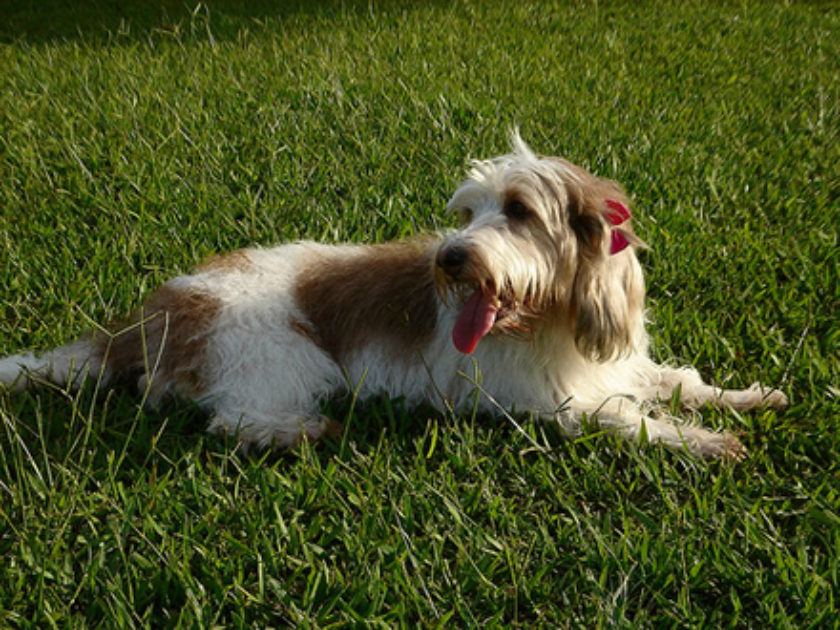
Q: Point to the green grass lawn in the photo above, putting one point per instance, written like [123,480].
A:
[137,139]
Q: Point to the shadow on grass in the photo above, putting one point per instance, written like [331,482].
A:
[54,422]
[51,424]
[56,425]
[97,21]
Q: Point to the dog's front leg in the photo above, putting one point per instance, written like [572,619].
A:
[638,422]
[694,392]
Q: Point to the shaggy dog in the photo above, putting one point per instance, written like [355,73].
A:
[539,294]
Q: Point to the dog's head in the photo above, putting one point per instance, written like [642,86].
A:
[542,243]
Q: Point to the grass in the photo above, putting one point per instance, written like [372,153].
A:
[136,139]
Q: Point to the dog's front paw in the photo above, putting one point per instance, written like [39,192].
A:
[724,446]
[732,448]
[773,398]
[714,445]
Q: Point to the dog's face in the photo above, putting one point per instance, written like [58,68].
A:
[542,242]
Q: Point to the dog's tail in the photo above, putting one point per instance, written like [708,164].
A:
[67,365]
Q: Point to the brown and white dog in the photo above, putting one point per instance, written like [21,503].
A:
[539,291]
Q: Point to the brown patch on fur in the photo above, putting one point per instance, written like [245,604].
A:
[382,293]
[166,338]
[233,261]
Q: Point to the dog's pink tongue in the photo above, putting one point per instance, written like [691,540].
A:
[475,320]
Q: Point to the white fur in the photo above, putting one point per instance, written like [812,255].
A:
[266,380]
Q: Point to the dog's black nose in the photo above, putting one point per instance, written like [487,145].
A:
[452,259]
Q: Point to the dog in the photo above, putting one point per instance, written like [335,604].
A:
[539,295]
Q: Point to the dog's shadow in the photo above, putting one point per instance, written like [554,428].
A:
[92,428]
[57,425]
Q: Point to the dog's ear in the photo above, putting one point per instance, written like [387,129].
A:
[608,291]
[607,303]
[599,211]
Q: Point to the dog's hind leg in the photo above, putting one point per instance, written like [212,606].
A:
[262,430]
[66,365]
[265,385]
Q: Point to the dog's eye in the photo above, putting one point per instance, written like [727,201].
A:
[516,210]
[465,215]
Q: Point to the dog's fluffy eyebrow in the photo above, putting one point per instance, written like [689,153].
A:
[470,196]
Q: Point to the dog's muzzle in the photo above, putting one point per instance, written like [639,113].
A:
[451,259]
[479,310]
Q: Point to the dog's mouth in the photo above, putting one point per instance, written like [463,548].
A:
[483,312]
